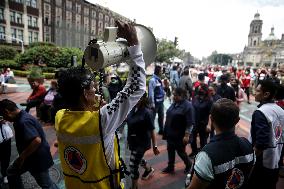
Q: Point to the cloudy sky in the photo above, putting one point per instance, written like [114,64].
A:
[202,26]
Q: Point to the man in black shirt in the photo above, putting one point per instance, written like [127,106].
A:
[178,126]
[224,90]
[33,149]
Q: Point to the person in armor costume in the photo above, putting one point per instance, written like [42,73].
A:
[267,127]
[86,133]
[227,160]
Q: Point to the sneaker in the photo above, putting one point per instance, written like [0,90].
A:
[148,174]
[5,180]
[168,170]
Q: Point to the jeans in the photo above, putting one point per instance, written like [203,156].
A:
[42,178]
[159,109]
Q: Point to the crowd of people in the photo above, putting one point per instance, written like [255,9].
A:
[205,104]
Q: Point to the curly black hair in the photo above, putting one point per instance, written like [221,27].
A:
[71,84]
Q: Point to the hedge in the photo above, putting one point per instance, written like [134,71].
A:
[26,73]
[49,56]
[7,52]
[9,64]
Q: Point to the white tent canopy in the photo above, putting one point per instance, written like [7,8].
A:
[176,60]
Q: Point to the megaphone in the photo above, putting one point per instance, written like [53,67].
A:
[101,54]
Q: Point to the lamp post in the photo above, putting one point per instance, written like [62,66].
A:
[17,39]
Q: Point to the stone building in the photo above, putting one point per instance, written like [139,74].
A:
[73,23]
[70,23]
[20,23]
[268,52]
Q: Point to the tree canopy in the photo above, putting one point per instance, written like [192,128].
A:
[166,51]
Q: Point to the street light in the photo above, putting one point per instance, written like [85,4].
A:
[17,39]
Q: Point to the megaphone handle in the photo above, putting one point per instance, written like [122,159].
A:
[101,80]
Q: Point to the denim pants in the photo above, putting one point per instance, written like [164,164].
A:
[42,178]
[159,109]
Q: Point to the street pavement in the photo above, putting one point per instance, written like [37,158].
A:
[159,180]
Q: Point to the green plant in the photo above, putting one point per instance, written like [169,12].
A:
[9,64]
[21,73]
[49,56]
[7,52]
[49,75]
[35,73]
[48,69]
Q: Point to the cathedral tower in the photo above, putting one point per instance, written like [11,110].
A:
[255,33]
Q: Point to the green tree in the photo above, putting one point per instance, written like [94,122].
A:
[7,52]
[166,51]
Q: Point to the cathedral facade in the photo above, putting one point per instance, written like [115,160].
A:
[262,53]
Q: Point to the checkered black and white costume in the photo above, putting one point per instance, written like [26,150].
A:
[114,113]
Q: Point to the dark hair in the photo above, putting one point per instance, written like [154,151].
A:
[201,76]
[71,84]
[224,77]
[144,101]
[214,86]
[280,92]
[268,85]
[225,113]
[185,72]
[237,81]
[203,89]
[181,92]
[273,73]
[7,105]
[157,70]
[54,82]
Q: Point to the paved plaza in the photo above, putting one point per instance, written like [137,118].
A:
[159,180]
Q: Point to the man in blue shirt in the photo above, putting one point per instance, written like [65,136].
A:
[33,149]
[156,97]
